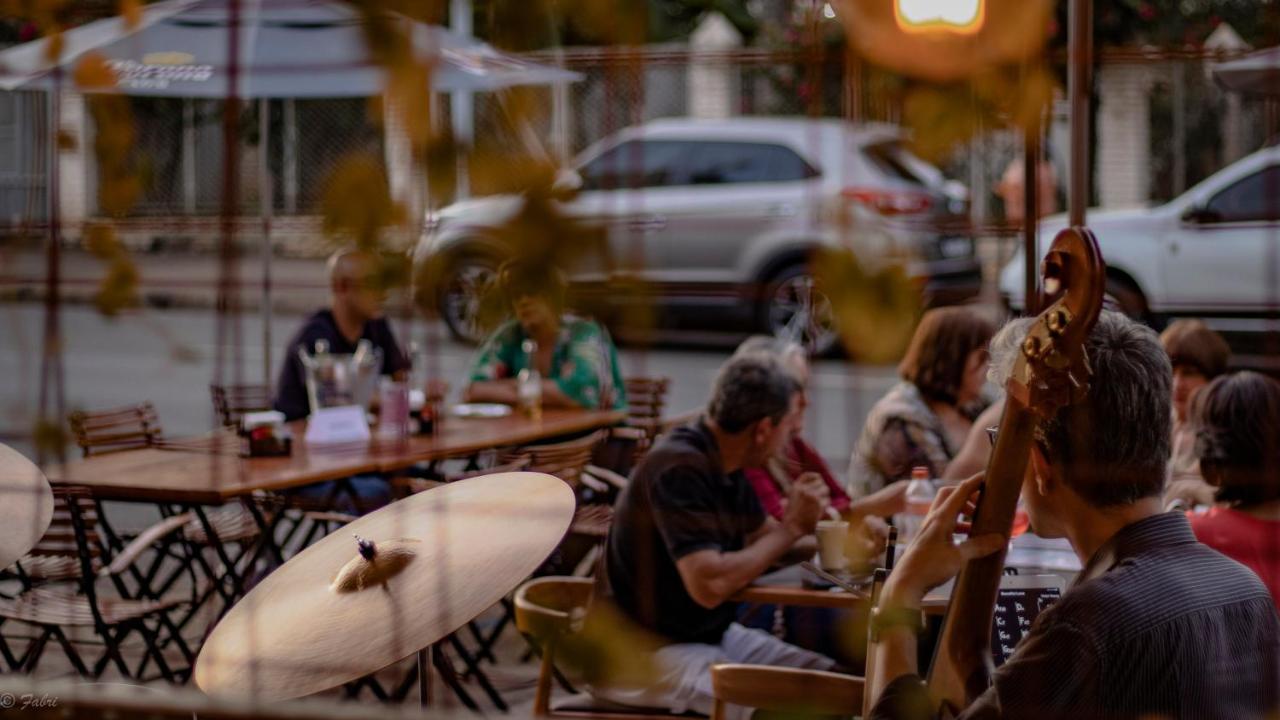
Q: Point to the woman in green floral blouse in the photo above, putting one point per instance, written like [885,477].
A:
[574,356]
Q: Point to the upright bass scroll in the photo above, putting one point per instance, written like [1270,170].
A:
[1050,373]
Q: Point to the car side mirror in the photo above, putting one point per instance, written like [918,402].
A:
[1200,215]
[567,184]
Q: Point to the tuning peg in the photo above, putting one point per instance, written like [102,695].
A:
[1057,322]
[1031,347]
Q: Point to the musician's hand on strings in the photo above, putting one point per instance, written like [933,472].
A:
[934,557]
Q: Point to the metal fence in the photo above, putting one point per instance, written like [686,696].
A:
[1192,127]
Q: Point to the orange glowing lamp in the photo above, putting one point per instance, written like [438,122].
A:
[946,40]
[962,17]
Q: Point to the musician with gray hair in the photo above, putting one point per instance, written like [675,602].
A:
[1156,624]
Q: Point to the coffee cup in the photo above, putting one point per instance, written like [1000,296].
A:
[832,535]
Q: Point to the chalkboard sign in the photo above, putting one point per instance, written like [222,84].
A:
[1016,609]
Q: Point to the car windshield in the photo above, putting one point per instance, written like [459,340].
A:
[893,159]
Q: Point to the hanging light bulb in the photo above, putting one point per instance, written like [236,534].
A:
[945,40]
[963,17]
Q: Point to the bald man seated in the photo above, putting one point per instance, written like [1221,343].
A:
[355,313]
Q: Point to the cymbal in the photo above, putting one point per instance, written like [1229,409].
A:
[26,505]
[416,571]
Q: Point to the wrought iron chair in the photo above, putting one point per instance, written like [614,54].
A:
[70,550]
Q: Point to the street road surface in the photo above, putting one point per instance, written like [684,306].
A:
[171,356]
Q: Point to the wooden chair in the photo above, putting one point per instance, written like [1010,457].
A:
[136,426]
[116,429]
[404,486]
[70,550]
[646,399]
[548,610]
[590,525]
[565,460]
[800,692]
[779,689]
[231,402]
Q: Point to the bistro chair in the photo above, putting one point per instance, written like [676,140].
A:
[137,426]
[232,402]
[785,690]
[627,443]
[116,429]
[565,460]
[800,692]
[577,553]
[403,486]
[549,611]
[53,608]
[646,398]
[134,427]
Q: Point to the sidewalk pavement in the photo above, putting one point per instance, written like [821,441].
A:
[167,279]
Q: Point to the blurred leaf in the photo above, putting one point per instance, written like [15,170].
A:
[875,308]
[390,271]
[499,172]
[357,203]
[53,47]
[101,241]
[50,438]
[119,289]
[92,72]
[131,12]
[66,141]
[611,649]
[940,118]
[408,90]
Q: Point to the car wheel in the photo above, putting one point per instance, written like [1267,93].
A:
[794,309]
[469,280]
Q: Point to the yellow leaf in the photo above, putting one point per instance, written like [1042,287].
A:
[101,241]
[357,203]
[118,289]
[875,308]
[93,72]
[49,438]
[53,46]
[131,11]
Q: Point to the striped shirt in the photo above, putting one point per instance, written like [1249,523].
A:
[1157,625]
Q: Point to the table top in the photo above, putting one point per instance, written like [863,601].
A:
[786,587]
[210,472]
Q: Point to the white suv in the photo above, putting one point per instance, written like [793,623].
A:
[725,215]
[1213,252]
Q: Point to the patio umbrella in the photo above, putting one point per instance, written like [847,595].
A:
[286,49]
[1256,73]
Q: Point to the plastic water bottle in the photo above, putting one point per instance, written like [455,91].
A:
[920,493]
[529,382]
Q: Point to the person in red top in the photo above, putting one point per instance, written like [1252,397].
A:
[1236,419]
[799,458]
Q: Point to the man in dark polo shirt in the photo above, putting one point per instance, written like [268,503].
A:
[688,533]
[354,313]
[1156,625]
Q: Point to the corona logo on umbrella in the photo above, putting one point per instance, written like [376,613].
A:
[946,40]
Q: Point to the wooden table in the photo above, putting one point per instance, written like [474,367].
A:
[786,587]
[191,473]
[185,475]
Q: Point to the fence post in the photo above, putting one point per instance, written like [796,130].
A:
[713,87]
